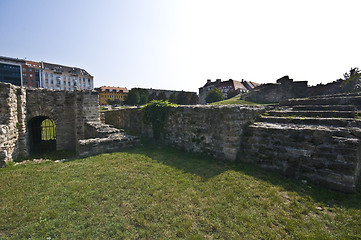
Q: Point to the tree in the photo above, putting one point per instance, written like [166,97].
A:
[162,96]
[143,98]
[182,98]
[113,102]
[194,99]
[133,97]
[137,96]
[152,96]
[109,101]
[116,102]
[352,80]
[172,98]
[232,93]
[214,95]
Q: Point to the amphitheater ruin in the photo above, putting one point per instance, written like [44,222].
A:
[315,138]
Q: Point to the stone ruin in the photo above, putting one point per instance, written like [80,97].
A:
[285,88]
[316,138]
[39,120]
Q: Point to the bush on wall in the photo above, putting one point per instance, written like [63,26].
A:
[156,113]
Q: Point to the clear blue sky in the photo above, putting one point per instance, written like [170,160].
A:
[179,44]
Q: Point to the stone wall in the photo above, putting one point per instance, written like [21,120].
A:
[214,130]
[11,122]
[59,106]
[316,139]
[285,88]
[76,118]
[326,89]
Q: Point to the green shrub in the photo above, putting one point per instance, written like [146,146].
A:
[156,113]
[214,95]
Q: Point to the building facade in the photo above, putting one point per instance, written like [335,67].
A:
[33,74]
[60,77]
[113,93]
[11,70]
[225,87]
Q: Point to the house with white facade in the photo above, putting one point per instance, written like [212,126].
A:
[60,77]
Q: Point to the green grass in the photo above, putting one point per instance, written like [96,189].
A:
[157,192]
[234,100]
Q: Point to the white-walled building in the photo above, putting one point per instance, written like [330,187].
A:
[60,77]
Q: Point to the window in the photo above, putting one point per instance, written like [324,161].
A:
[24,69]
[31,69]
[31,75]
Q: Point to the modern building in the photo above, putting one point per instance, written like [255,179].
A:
[44,75]
[60,77]
[11,70]
[31,73]
[113,93]
[225,87]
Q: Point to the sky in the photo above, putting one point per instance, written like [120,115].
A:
[179,44]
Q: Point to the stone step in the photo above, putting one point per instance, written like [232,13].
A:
[326,155]
[337,131]
[349,100]
[324,114]
[336,95]
[336,122]
[324,107]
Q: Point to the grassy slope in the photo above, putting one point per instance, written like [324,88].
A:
[234,100]
[158,192]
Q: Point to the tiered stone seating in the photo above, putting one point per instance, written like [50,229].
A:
[317,138]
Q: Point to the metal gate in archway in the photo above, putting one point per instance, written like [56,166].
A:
[42,135]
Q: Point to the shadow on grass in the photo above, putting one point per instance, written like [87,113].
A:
[208,167]
[58,155]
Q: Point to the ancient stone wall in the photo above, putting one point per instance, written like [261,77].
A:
[326,89]
[9,124]
[76,118]
[70,111]
[214,130]
[318,138]
[58,106]
[285,88]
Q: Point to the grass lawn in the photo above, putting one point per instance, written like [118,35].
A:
[157,192]
[234,100]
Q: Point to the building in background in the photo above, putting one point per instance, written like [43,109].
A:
[225,87]
[31,73]
[44,75]
[11,70]
[116,94]
[60,77]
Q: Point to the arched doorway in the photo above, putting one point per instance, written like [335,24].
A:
[42,135]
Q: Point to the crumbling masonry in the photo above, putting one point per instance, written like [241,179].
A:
[318,138]
[76,118]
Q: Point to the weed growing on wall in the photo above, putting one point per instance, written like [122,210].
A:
[155,113]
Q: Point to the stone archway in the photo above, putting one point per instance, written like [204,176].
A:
[42,135]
